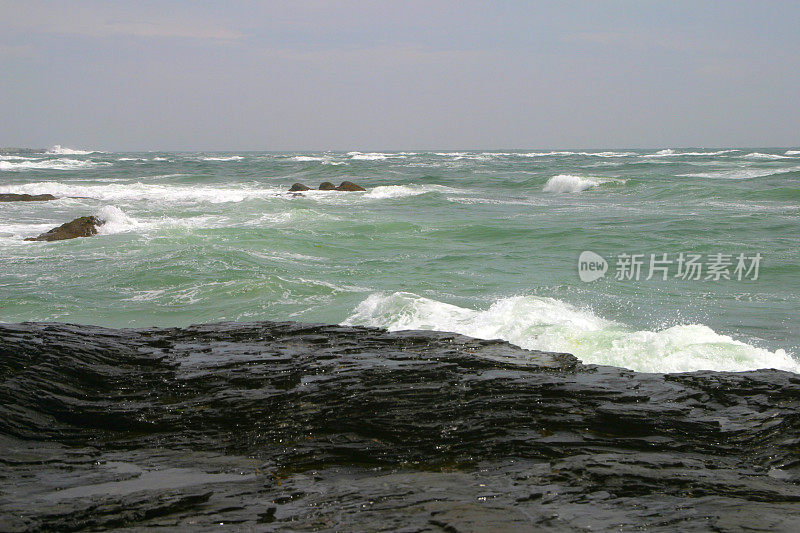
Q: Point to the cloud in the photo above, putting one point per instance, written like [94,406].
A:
[15,50]
[81,20]
[636,39]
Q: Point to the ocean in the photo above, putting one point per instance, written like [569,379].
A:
[480,242]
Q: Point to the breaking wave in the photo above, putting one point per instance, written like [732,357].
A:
[547,324]
[760,155]
[147,192]
[115,221]
[672,153]
[565,183]
[50,164]
[401,191]
[565,153]
[742,173]
[228,158]
[370,156]
[61,150]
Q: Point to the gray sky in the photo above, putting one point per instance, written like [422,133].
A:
[316,75]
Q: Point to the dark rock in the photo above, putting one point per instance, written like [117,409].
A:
[299,187]
[327,186]
[308,427]
[349,186]
[80,227]
[10,197]
[27,151]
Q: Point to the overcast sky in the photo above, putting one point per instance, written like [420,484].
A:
[371,75]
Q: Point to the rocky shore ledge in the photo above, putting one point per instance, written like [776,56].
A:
[309,427]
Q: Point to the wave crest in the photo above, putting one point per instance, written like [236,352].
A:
[565,183]
[61,150]
[50,164]
[115,221]
[548,324]
[760,155]
[401,191]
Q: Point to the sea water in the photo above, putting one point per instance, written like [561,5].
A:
[480,242]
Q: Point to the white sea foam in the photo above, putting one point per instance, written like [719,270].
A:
[569,183]
[469,156]
[230,158]
[60,150]
[114,220]
[608,154]
[50,164]
[552,325]
[13,233]
[742,173]
[672,153]
[564,153]
[544,154]
[792,152]
[115,192]
[370,156]
[401,191]
[760,155]
[325,160]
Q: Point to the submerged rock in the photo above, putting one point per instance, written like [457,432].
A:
[11,197]
[327,186]
[80,227]
[299,187]
[310,427]
[349,186]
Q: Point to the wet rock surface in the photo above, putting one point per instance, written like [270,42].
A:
[327,186]
[305,427]
[80,227]
[349,186]
[13,197]
[299,187]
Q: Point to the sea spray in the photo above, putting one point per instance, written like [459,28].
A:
[548,324]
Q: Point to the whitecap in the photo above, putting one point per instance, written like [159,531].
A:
[370,156]
[149,192]
[402,191]
[548,324]
[50,164]
[760,155]
[672,153]
[569,183]
[566,153]
[742,173]
[60,150]
[230,158]
[114,220]
[14,158]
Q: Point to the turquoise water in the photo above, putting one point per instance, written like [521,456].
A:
[485,243]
